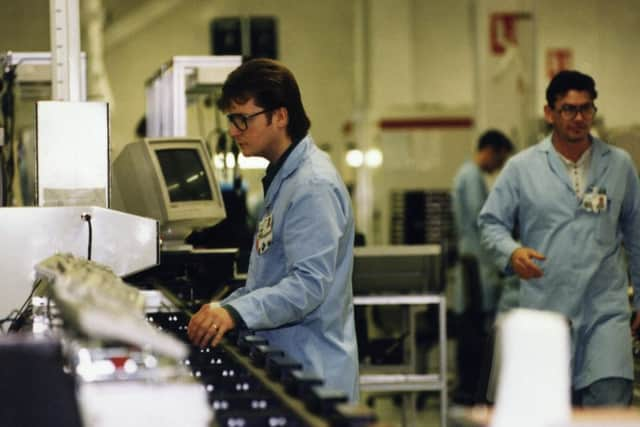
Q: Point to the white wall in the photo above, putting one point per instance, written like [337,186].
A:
[443,52]
[420,53]
[24,25]
[604,36]
[420,66]
[314,41]
[426,44]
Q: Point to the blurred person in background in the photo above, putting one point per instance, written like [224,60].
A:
[480,278]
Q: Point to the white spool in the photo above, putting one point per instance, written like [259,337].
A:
[534,387]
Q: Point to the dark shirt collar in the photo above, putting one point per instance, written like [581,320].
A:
[274,168]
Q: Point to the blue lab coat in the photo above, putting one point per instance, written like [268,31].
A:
[469,194]
[585,274]
[298,292]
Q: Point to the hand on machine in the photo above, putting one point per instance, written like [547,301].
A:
[209,325]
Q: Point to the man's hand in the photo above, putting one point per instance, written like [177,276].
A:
[635,325]
[522,263]
[210,322]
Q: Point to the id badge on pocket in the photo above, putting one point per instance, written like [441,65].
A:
[265,234]
[595,200]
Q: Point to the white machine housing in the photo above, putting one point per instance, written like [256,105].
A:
[125,243]
[72,161]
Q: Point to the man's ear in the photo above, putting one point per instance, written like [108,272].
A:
[281,117]
[548,114]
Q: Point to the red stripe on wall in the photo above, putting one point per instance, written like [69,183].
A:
[434,123]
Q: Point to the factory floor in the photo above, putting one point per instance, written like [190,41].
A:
[391,414]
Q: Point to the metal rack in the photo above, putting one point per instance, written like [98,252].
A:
[166,91]
[407,380]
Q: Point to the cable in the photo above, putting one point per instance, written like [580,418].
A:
[9,318]
[203,132]
[3,179]
[87,217]
[3,163]
[8,113]
[15,325]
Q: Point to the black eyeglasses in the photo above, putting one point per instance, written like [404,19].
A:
[569,112]
[241,121]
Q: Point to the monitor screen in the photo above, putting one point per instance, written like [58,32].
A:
[184,175]
[171,180]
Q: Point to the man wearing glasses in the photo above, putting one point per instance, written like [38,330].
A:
[577,202]
[298,293]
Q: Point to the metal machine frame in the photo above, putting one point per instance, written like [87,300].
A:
[166,91]
[35,68]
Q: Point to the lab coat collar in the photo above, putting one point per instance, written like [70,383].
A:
[598,167]
[555,162]
[290,165]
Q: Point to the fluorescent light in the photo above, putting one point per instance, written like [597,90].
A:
[355,158]
[252,162]
[244,162]
[218,161]
[373,158]
[230,160]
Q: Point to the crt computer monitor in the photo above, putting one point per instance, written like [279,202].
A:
[171,180]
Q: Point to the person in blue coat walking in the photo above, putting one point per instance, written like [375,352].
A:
[577,202]
[298,293]
[479,276]
[468,195]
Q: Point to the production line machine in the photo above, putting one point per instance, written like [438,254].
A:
[98,285]
[91,353]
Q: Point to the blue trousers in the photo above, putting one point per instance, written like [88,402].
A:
[605,392]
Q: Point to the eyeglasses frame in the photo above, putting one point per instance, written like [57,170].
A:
[570,111]
[245,118]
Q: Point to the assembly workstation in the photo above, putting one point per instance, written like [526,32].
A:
[119,340]
[111,245]
[111,257]
[101,282]
[107,349]
[99,337]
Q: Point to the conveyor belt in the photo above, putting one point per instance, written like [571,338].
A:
[242,392]
[247,382]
